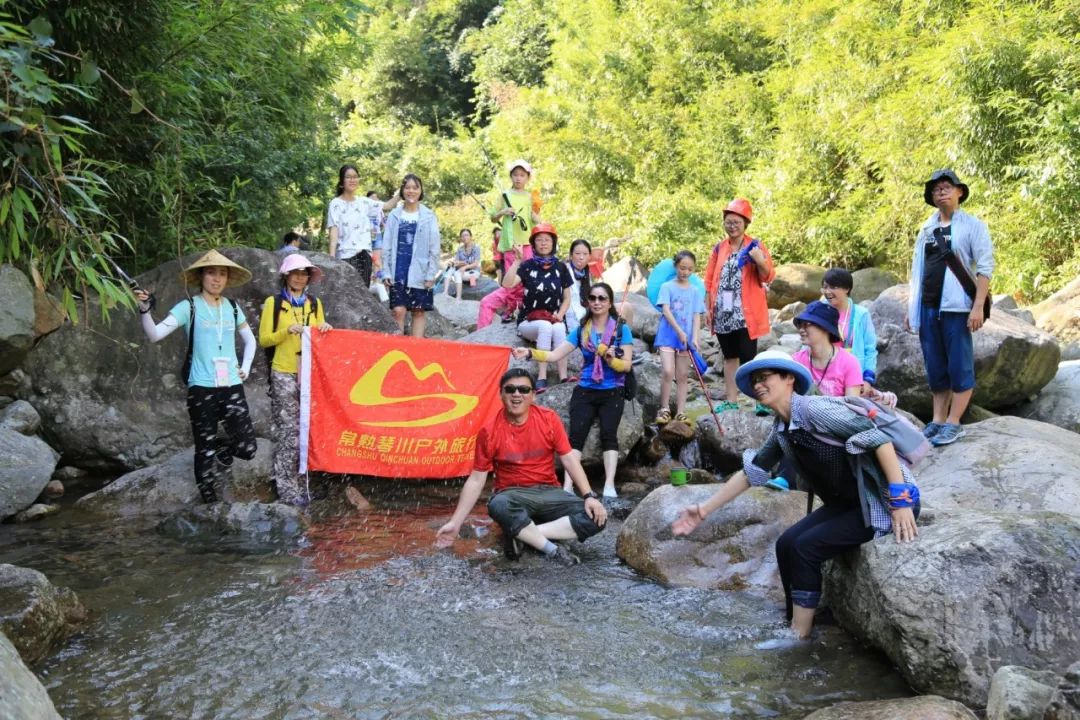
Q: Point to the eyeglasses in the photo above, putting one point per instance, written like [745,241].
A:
[941,188]
[517,389]
[760,377]
[598,298]
[800,324]
[352,177]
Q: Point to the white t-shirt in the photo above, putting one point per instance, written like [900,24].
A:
[353,225]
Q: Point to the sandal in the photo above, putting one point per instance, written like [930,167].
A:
[541,386]
[663,417]
[682,417]
[571,379]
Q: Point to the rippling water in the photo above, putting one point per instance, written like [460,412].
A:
[367,620]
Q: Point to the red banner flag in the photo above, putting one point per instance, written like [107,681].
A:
[393,406]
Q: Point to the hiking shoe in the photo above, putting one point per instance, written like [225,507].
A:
[541,386]
[931,429]
[761,411]
[948,434]
[778,483]
[508,318]
[564,557]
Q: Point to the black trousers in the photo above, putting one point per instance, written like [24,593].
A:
[207,407]
[586,405]
[803,547]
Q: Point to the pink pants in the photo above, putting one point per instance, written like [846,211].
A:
[499,300]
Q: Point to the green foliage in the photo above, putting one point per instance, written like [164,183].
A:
[51,217]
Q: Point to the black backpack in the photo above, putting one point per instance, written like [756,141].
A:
[278,306]
[185,371]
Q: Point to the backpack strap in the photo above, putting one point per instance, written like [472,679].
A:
[186,371]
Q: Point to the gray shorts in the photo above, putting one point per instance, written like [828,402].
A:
[516,507]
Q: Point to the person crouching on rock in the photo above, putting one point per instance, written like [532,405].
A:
[866,491]
[528,502]
[215,393]
[284,317]
[607,349]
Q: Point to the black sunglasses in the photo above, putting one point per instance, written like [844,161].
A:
[598,298]
[518,389]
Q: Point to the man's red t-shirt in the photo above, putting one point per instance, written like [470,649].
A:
[521,455]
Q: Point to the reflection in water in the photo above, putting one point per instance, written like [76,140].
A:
[368,620]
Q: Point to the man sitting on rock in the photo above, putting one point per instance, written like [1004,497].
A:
[517,444]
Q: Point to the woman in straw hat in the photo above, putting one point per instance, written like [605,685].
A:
[215,393]
[284,317]
[866,491]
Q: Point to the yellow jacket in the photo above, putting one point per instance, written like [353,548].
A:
[287,352]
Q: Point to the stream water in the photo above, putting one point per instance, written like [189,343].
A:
[367,620]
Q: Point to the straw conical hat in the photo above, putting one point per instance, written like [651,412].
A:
[237,275]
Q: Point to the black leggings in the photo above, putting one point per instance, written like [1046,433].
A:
[206,408]
[585,405]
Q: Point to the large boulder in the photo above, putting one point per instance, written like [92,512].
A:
[1059,314]
[645,320]
[1013,360]
[461,313]
[484,285]
[170,486]
[923,707]
[22,696]
[870,282]
[16,318]
[110,399]
[794,283]
[974,592]
[1017,693]
[35,614]
[26,465]
[1065,702]
[731,550]
[49,315]
[738,430]
[1007,464]
[439,326]
[1059,402]
[631,427]
[626,274]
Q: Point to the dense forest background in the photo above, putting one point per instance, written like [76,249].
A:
[137,129]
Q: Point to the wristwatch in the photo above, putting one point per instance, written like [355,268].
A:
[591,494]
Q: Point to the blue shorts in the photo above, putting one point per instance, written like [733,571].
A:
[411,298]
[947,349]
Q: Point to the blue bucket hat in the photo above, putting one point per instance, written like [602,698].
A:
[772,360]
[824,315]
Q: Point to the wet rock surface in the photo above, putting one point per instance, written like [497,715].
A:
[976,591]
[22,696]
[26,464]
[34,614]
[731,550]
[925,707]
[170,486]
[255,525]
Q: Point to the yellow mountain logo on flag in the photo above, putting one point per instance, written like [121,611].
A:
[368,392]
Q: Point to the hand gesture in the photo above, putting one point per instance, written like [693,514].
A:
[903,525]
[687,521]
[446,535]
[975,319]
[596,510]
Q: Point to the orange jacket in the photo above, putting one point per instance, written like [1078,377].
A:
[754,304]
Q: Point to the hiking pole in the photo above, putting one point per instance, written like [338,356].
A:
[704,389]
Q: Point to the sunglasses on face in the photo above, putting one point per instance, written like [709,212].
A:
[598,298]
[517,389]
[760,377]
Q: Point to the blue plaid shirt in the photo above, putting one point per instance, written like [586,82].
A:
[829,416]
